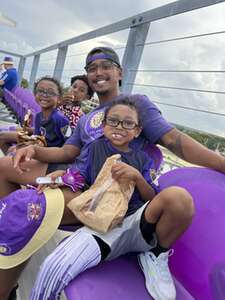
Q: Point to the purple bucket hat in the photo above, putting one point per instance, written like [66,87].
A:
[27,221]
[8,60]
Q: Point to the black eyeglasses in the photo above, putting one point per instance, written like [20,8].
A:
[46,93]
[126,124]
[105,66]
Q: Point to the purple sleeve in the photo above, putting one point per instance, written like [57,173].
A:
[147,171]
[75,138]
[153,123]
[84,167]
[61,126]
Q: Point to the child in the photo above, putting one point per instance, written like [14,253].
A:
[49,122]
[86,248]
[71,102]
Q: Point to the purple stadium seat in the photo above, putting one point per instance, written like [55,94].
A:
[20,100]
[198,263]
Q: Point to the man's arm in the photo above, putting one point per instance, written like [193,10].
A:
[65,154]
[190,150]
[2,82]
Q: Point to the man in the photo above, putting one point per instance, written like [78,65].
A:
[104,73]
[9,78]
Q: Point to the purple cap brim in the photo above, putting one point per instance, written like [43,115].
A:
[27,221]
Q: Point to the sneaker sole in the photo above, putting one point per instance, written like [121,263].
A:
[148,278]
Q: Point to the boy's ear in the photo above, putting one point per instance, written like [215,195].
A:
[138,131]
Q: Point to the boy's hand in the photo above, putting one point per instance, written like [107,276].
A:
[68,97]
[53,176]
[121,170]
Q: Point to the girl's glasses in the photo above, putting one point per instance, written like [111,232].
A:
[126,124]
[46,93]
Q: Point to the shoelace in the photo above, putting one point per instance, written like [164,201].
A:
[161,263]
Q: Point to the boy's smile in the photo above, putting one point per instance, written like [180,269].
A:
[118,117]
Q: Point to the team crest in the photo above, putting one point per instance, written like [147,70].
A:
[66,131]
[34,211]
[97,119]
[93,125]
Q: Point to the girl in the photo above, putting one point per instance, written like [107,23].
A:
[49,122]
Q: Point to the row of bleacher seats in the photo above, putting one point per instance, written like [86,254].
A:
[19,100]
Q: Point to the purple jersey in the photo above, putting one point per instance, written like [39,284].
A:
[54,129]
[97,153]
[90,128]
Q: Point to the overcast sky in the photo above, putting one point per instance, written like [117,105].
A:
[45,22]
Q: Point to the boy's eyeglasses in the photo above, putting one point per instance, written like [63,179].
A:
[105,66]
[46,93]
[126,124]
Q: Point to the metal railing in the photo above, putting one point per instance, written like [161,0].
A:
[138,27]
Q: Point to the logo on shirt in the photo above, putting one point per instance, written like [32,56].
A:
[34,211]
[43,131]
[66,131]
[93,125]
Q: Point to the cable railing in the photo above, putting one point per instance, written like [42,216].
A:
[176,71]
[177,88]
[138,26]
[182,38]
[189,108]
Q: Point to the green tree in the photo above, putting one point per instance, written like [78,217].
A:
[24,83]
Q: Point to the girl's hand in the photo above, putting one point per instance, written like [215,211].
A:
[122,170]
[53,175]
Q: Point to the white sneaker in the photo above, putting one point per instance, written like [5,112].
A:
[158,279]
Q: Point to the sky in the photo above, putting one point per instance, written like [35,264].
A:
[46,22]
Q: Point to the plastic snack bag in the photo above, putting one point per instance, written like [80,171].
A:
[105,203]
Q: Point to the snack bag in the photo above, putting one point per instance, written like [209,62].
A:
[105,203]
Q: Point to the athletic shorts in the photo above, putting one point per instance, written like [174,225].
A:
[126,237]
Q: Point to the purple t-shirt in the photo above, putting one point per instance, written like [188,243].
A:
[54,129]
[97,153]
[90,128]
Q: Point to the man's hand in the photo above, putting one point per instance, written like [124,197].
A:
[23,155]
